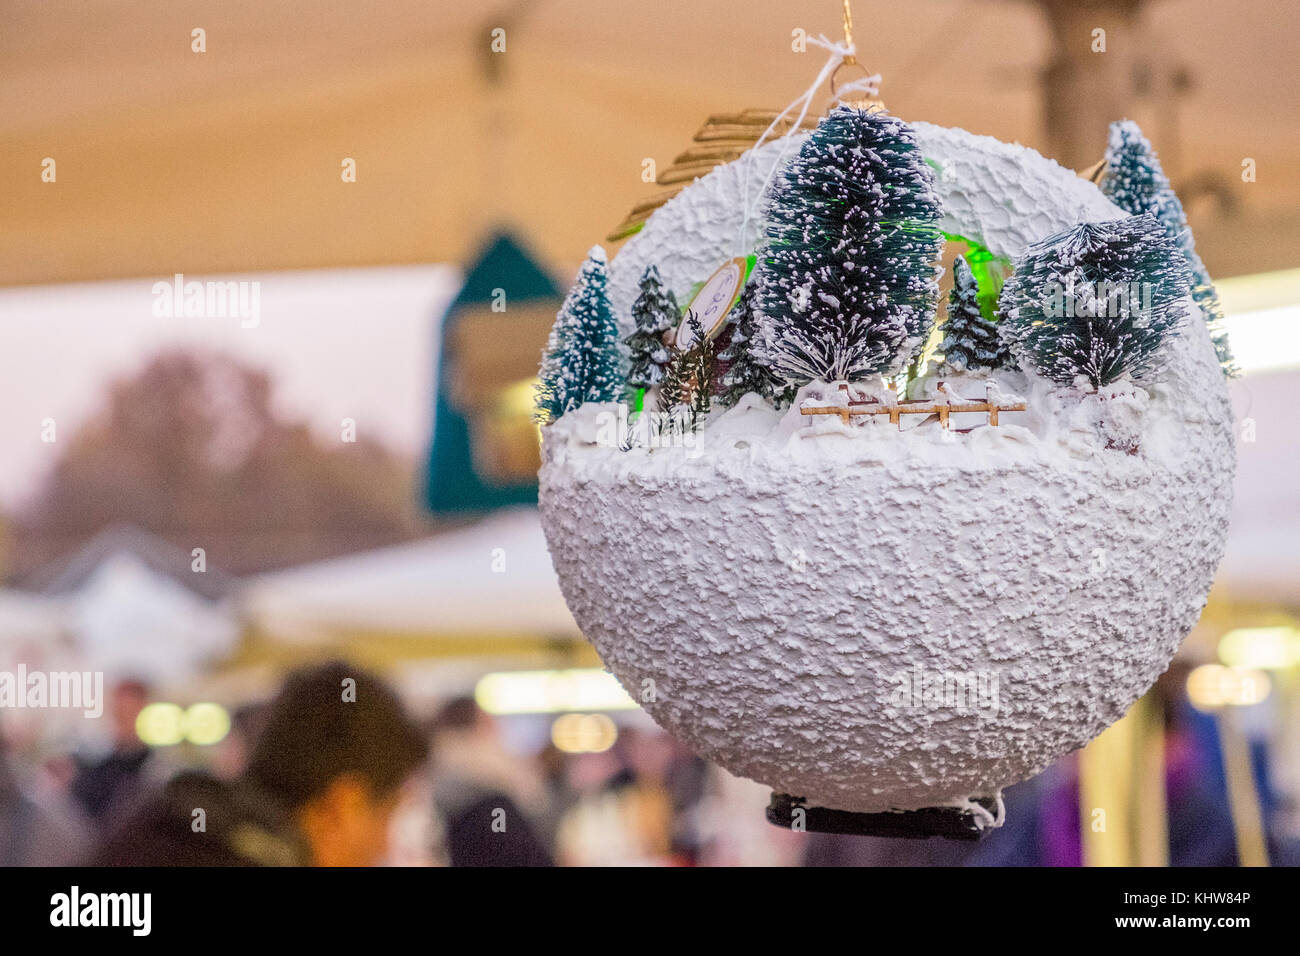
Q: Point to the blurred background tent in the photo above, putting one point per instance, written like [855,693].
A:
[484,589]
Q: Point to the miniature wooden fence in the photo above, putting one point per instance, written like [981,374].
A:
[915,407]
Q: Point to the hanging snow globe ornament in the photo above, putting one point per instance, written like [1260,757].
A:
[889,603]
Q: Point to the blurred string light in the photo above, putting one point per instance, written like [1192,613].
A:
[1262,316]
[583,733]
[165,725]
[1266,648]
[549,692]
[1212,686]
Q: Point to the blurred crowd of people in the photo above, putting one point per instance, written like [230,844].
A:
[335,771]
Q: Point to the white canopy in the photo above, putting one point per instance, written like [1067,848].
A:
[27,618]
[490,580]
[1262,561]
[131,620]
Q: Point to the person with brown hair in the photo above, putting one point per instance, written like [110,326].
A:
[321,784]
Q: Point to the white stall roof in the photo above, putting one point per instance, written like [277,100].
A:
[30,617]
[491,579]
[1262,562]
[131,620]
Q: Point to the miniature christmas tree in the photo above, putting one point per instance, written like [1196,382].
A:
[848,286]
[654,312]
[970,341]
[1096,302]
[550,393]
[702,366]
[1136,183]
[674,391]
[581,362]
[687,385]
[748,371]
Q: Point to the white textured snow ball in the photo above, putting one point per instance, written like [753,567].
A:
[871,618]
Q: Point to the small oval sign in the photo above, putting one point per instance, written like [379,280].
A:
[714,300]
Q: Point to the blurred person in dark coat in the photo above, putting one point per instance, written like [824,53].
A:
[323,779]
[103,786]
[476,791]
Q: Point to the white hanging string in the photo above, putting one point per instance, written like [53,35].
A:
[868,86]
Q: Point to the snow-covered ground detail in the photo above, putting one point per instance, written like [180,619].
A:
[787,593]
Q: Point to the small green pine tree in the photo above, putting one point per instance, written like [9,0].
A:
[581,362]
[1136,182]
[686,389]
[703,367]
[1096,302]
[653,313]
[970,341]
[674,394]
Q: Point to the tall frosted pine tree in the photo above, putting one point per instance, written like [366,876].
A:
[653,313]
[848,285]
[748,371]
[581,362]
[1097,302]
[970,341]
[1136,182]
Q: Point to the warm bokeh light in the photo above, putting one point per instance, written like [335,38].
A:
[548,692]
[161,725]
[583,733]
[1266,648]
[206,724]
[1212,686]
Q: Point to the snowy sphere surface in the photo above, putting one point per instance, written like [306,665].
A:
[873,619]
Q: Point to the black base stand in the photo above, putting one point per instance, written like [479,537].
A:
[947,822]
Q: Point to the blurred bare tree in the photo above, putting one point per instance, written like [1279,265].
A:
[191,450]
